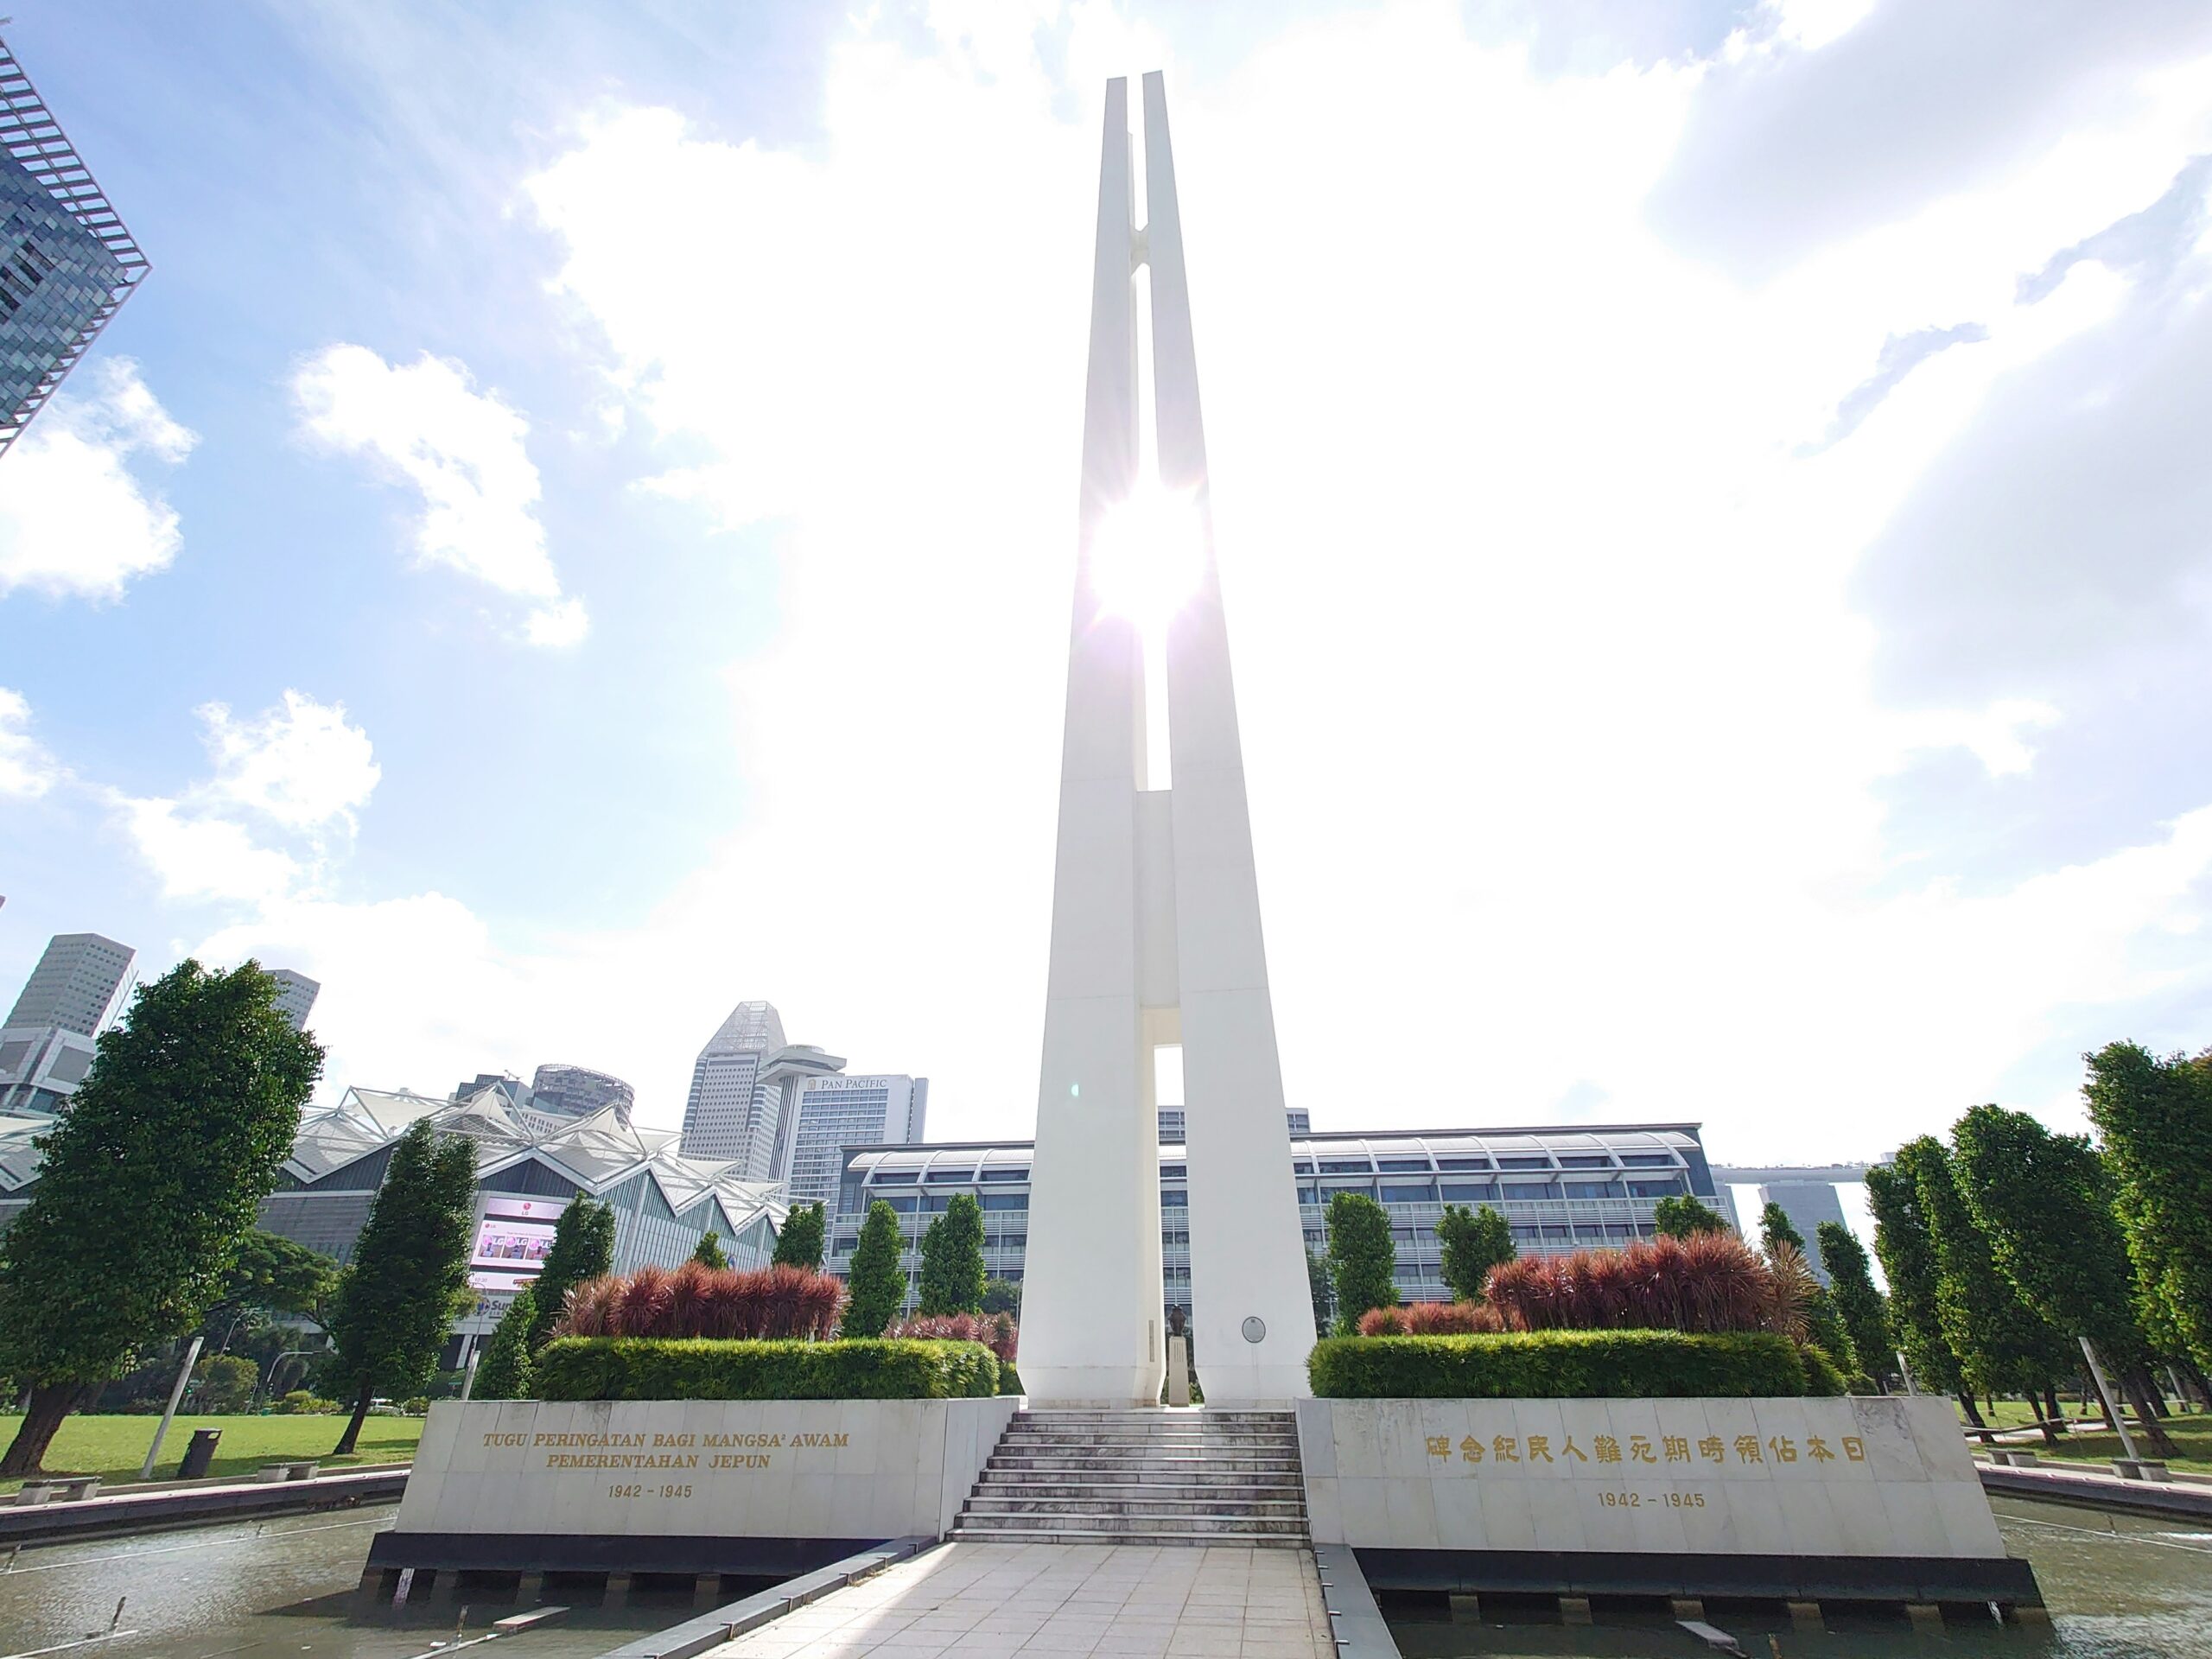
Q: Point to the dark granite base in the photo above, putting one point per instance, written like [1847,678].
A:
[1888,1578]
[618,1553]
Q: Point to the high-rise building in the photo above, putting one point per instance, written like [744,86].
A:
[1172,1123]
[723,1117]
[576,1090]
[1807,1204]
[835,1114]
[76,990]
[295,995]
[67,261]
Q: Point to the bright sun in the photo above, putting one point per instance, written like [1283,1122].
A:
[1146,556]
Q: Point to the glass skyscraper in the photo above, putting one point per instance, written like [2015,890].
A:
[67,261]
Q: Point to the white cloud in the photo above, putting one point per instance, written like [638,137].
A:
[200,858]
[27,771]
[76,519]
[304,765]
[297,772]
[464,451]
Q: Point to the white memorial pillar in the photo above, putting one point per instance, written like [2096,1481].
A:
[1155,915]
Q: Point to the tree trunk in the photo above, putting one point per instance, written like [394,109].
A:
[2050,1429]
[2193,1373]
[2053,1412]
[49,1403]
[2154,1432]
[2147,1382]
[1972,1411]
[345,1445]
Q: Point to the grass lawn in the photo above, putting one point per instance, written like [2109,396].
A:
[2191,1432]
[113,1447]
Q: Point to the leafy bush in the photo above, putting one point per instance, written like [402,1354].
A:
[224,1383]
[996,1331]
[504,1371]
[301,1403]
[1362,1260]
[1010,1381]
[633,1368]
[1475,1241]
[1562,1364]
[1431,1319]
[1706,1282]
[1824,1377]
[419,1407]
[728,1304]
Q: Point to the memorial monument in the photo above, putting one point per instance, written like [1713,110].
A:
[1156,936]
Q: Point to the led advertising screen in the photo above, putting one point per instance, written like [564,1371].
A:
[511,1239]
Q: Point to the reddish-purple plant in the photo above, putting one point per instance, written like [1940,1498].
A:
[1431,1319]
[696,1300]
[1708,1282]
[996,1331]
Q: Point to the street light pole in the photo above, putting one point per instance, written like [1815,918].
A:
[177,1394]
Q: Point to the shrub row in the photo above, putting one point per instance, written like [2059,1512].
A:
[647,1368]
[1706,1282]
[698,1300]
[1567,1365]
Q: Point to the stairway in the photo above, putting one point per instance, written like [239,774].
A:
[1155,1476]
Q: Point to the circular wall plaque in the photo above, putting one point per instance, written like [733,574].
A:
[1255,1329]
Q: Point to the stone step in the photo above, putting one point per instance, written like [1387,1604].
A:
[1217,1480]
[1153,1415]
[1083,1529]
[1097,1503]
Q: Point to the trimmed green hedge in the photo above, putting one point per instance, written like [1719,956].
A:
[1009,1379]
[651,1367]
[1563,1365]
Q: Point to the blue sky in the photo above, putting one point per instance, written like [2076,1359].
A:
[576,529]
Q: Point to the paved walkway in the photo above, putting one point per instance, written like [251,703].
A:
[1130,1601]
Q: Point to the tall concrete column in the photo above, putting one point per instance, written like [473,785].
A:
[1156,930]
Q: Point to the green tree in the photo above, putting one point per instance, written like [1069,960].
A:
[582,1248]
[1682,1215]
[709,1252]
[1824,1326]
[1858,1304]
[805,1232]
[1323,1292]
[224,1383]
[1002,1296]
[1362,1261]
[2045,1201]
[2154,1118]
[409,1275]
[503,1373]
[271,1274]
[1777,1228]
[2003,1346]
[1909,1262]
[1474,1242]
[149,1180]
[952,1259]
[877,1289]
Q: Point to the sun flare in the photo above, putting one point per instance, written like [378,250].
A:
[1148,556]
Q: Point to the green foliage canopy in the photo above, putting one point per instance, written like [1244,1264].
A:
[805,1232]
[952,1260]
[409,1273]
[149,1180]
[2154,1118]
[1362,1260]
[1002,1296]
[2004,1346]
[582,1248]
[1474,1242]
[1682,1215]
[505,1372]
[1909,1262]
[1858,1304]
[709,1252]
[877,1287]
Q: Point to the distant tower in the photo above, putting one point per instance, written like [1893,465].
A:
[725,1119]
[76,990]
[67,262]
[575,1090]
[295,995]
[1155,899]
